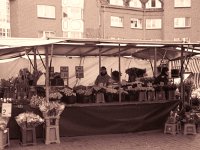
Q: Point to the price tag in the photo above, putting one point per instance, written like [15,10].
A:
[64,72]
[6,109]
[79,71]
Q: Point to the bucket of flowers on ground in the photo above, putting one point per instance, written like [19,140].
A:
[4,132]
[28,121]
[68,95]
[51,112]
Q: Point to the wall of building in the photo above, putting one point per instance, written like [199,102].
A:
[126,32]
[170,13]
[91,16]
[97,20]
[27,24]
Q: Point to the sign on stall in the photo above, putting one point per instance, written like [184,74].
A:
[79,71]
[64,72]
[6,109]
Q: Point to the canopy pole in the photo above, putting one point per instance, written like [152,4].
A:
[182,72]
[35,60]
[41,58]
[47,73]
[120,96]
[155,62]
[99,59]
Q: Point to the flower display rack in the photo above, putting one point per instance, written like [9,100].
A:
[171,128]
[189,128]
[4,138]
[28,136]
[160,95]
[52,133]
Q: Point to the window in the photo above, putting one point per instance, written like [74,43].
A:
[116,21]
[182,22]
[76,35]
[153,4]
[136,23]
[74,25]
[46,34]
[153,24]
[185,39]
[117,2]
[72,12]
[4,33]
[135,3]
[45,11]
[182,3]
[73,3]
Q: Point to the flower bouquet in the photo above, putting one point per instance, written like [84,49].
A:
[55,95]
[84,95]
[68,95]
[28,120]
[36,101]
[49,109]
[173,117]
[3,122]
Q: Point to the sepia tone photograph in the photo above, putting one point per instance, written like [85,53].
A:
[99,74]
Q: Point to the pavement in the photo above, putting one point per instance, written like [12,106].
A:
[148,140]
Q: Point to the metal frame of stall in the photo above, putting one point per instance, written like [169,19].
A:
[119,45]
[22,46]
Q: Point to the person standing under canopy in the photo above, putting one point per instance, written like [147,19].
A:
[102,80]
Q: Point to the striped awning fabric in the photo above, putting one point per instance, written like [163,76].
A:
[191,65]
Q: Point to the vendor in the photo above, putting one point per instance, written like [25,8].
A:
[57,80]
[163,77]
[103,78]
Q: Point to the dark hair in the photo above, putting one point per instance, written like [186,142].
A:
[103,67]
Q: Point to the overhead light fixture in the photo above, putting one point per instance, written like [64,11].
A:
[149,45]
[110,44]
[70,43]
[188,49]
[32,56]
[127,56]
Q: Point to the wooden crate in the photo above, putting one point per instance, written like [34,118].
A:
[52,134]
[28,136]
[52,121]
[4,138]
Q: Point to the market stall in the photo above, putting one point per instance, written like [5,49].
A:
[136,105]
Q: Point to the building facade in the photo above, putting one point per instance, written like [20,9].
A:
[4,18]
[108,19]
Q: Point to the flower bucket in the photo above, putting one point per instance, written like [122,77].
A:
[151,95]
[68,99]
[160,95]
[171,95]
[84,98]
[142,96]
[133,95]
[109,97]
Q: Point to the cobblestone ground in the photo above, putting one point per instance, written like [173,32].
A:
[151,140]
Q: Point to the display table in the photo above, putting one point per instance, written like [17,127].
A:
[105,118]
